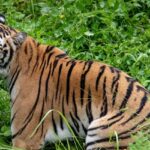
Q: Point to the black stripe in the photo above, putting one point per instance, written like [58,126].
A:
[74,131]
[40,118]
[12,119]
[107,139]
[9,59]
[74,122]
[35,42]
[13,102]
[49,48]
[58,80]
[128,93]
[105,126]
[31,55]
[142,104]
[6,33]
[12,83]
[3,62]
[85,63]
[47,83]
[110,148]
[61,55]
[13,76]
[140,88]
[48,58]
[60,94]
[21,129]
[30,114]
[63,112]
[104,107]
[53,120]
[82,81]
[19,132]
[116,116]
[63,106]
[68,81]
[54,66]
[70,61]
[84,129]
[113,70]
[25,49]
[2,30]
[115,94]
[102,69]
[75,106]
[89,107]
[36,64]
[61,123]
[54,124]
[43,59]
[115,79]
[11,29]
[38,44]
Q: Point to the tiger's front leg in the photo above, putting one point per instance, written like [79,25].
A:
[23,126]
[18,143]
[26,141]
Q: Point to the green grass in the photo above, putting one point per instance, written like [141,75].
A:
[116,32]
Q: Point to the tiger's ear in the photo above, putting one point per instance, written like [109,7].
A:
[19,38]
[2,19]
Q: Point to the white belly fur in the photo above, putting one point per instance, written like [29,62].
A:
[62,134]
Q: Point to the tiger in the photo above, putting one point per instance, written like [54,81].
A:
[96,99]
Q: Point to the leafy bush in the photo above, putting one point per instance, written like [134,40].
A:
[116,32]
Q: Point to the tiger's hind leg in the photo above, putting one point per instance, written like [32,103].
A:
[102,133]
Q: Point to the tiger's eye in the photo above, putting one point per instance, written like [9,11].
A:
[5,52]
[4,46]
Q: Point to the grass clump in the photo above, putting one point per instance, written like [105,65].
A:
[116,32]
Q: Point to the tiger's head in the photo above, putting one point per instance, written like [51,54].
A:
[10,41]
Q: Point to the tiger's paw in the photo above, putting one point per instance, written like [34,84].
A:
[20,144]
[25,146]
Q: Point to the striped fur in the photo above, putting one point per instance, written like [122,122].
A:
[96,99]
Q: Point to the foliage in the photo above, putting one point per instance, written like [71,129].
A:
[116,32]
[141,141]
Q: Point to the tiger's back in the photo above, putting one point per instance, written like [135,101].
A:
[96,99]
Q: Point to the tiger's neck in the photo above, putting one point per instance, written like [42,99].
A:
[28,57]
[31,60]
